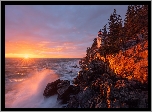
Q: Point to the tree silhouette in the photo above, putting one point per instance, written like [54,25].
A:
[114,34]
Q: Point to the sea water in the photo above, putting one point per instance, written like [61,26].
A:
[26,79]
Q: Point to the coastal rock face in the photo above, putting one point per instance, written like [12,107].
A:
[109,91]
[106,91]
[94,89]
[115,74]
[97,86]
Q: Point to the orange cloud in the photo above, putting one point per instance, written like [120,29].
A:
[42,49]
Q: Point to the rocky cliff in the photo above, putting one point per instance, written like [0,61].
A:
[119,81]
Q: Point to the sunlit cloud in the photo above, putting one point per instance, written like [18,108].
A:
[54,30]
[43,48]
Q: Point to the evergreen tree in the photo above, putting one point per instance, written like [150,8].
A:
[115,27]
[102,49]
[94,45]
[129,22]
[104,34]
[119,32]
[136,21]
[143,13]
[123,39]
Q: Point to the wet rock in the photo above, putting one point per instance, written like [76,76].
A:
[63,83]
[65,90]
[62,88]
[51,88]
[63,94]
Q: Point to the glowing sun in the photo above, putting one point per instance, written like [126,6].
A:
[26,56]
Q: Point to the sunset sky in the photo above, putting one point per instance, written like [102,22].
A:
[54,31]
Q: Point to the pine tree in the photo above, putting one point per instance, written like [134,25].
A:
[136,21]
[129,22]
[115,27]
[94,45]
[103,50]
[119,32]
[144,21]
[105,42]
[123,40]
[104,31]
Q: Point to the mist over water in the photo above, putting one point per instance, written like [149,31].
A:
[28,93]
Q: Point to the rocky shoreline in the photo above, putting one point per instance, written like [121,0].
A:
[97,88]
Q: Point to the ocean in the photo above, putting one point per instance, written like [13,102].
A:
[26,79]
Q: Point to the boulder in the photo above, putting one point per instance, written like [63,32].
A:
[63,83]
[65,90]
[62,88]
[51,88]
[63,94]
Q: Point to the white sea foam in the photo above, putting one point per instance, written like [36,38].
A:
[26,91]
[68,70]
[29,93]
